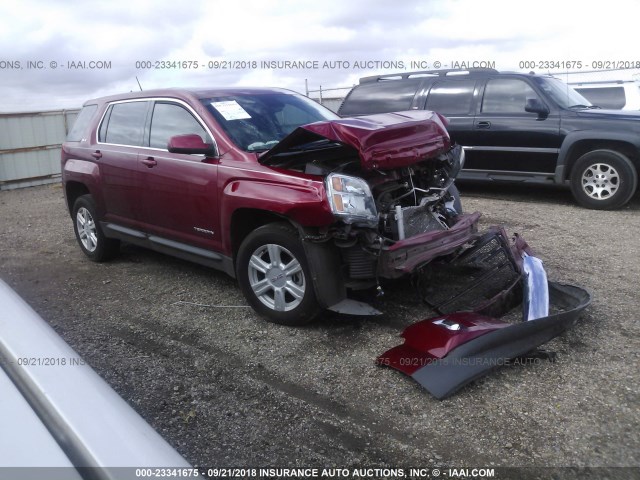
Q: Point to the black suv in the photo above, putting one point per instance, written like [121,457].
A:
[519,127]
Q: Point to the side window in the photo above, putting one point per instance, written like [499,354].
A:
[124,123]
[81,123]
[170,119]
[451,98]
[506,95]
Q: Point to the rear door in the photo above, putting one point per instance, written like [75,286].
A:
[120,136]
[179,195]
[505,138]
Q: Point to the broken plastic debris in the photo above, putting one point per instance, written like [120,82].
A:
[536,290]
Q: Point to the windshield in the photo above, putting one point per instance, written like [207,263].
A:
[561,93]
[258,121]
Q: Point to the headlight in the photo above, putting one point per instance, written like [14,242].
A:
[350,199]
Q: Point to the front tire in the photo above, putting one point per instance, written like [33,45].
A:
[274,276]
[90,236]
[603,180]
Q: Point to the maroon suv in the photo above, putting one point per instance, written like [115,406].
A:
[299,205]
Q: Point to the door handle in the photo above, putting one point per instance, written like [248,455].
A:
[97,155]
[483,125]
[150,162]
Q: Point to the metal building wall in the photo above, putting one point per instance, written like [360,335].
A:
[30,147]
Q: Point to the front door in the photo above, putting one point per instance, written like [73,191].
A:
[506,138]
[180,192]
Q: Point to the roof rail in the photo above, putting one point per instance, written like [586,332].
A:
[426,73]
[600,82]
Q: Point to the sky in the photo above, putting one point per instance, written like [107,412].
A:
[57,54]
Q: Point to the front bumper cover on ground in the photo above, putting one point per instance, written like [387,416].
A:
[446,352]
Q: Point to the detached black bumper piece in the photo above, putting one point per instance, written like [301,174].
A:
[445,353]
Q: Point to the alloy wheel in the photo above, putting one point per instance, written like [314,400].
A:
[600,181]
[276,277]
[86,227]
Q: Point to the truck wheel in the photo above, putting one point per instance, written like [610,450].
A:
[273,274]
[88,232]
[603,180]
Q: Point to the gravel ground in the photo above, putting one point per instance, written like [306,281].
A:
[228,389]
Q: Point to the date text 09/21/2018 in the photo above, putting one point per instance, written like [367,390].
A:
[50,361]
[579,64]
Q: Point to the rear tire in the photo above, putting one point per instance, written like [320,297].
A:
[603,180]
[90,236]
[274,275]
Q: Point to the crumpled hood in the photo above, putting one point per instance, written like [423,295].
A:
[383,141]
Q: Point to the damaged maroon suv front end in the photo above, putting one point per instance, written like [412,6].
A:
[389,182]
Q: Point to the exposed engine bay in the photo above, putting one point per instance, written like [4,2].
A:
[389,172]
[408,200]
[420,199]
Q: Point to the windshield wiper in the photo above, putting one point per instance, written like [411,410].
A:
[589,107]
[315,145]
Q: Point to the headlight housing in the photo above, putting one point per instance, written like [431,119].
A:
[350,199]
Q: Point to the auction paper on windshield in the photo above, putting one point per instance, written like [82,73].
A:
[231,110]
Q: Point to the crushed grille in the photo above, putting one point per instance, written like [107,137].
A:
[477,275]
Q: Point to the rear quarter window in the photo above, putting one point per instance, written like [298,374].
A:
[82,123]
[381,97]
[124,123]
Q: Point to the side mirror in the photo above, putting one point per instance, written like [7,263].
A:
[190,144]
[534,105]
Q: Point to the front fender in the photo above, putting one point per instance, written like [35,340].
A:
[573,139]
[304,204]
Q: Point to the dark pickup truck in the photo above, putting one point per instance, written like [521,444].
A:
[518,127]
